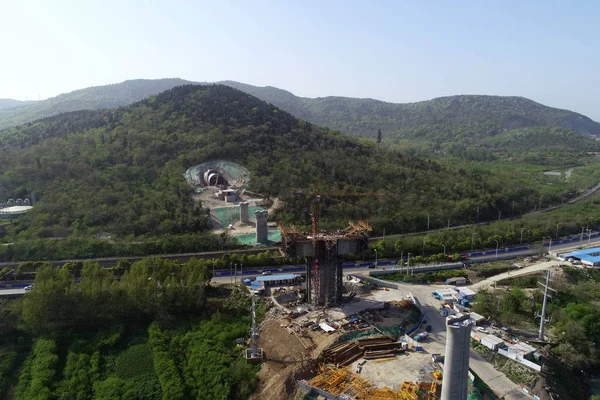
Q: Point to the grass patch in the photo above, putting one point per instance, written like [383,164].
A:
[525,282]
[136,365]
[426,277]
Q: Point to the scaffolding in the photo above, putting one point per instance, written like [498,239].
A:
[322,251]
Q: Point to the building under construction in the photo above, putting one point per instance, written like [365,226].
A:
[322,252]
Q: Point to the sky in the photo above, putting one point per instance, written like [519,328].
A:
[397,51]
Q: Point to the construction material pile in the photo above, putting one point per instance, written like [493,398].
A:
[402,304]
[342,354]
[340,381]
[379,347]
[370,348]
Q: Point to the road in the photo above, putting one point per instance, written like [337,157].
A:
[513,274]
[11,292]
[495,379]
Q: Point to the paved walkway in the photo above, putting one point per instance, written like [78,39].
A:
[514,273]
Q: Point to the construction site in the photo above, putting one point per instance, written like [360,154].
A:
[344,337]
[222,187]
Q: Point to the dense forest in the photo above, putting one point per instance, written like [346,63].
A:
[121,171]
[151,330]
[442,119]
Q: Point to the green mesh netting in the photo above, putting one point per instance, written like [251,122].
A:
[475,394]
[250,238]
[230,215]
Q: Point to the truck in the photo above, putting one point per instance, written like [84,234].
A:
[421,336]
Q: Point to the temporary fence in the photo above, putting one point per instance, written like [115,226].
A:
[518,358]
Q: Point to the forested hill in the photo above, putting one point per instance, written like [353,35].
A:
[121,170]
[92,98]
[440,119]
[445,119]
[10,103]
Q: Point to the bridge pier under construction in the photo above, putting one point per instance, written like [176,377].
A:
[324,283]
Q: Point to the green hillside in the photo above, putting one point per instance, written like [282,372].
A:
[121,170]
[441,119]
[92,98]
[445,119]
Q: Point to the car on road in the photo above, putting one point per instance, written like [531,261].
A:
[28,288]
[482,330]
[266,273]
[371,266]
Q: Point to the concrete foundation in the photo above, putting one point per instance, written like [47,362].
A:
[255,358]
[456,361]
[262,230]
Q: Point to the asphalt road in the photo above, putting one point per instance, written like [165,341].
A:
[11,292]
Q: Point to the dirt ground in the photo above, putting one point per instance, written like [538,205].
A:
[290,356]
[291,353]
[209,200]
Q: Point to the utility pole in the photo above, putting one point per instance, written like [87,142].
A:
[582,229]
[522,229]
[254,330]
[557,226]
[241,274]
[543,316]
[499,215]
[427,221]
[477,214]
[497,245]
[473,241]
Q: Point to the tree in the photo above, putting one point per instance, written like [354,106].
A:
[378,135]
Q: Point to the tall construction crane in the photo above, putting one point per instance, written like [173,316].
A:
[315,206]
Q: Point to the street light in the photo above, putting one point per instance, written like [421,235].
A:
[375,257]
[497,245]
[557,226]
[522,229]
[589,232]
[550,246]
[473,239]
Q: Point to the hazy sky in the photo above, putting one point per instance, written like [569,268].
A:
[396,50]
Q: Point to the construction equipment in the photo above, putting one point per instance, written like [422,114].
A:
[360,228]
